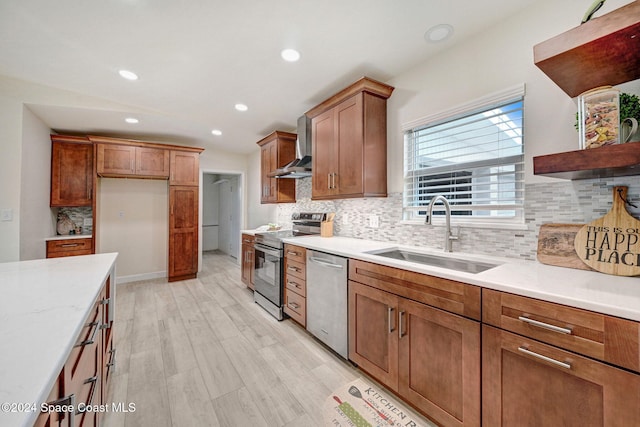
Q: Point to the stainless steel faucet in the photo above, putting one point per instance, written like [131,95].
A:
[448,237]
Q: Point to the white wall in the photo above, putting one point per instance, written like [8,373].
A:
[133,221]
[490,62]
[257,213]
[36,219]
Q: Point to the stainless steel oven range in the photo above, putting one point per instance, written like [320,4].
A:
[269,260]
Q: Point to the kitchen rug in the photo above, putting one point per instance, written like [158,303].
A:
[359,404]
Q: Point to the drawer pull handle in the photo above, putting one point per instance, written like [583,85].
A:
[93,335]
[69,400]
[545,358]
[297,270]
[294,305]
[545,325]
[69,245]
[94,382]
[294,284]
[293,253]
[390,319]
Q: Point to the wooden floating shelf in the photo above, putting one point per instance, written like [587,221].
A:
[603,51]
[603,162]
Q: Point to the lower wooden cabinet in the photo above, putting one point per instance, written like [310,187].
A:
[82,383]
[295,283]
[429,357]
[183,232]
[248,260]
[527,383]
[69,247]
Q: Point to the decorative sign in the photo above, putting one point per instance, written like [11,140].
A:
[611,244]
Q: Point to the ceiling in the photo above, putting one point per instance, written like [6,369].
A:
[197,58]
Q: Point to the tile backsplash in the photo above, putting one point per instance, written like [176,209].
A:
[77,215]
[559,202]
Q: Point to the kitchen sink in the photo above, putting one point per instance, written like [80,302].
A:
[458,264]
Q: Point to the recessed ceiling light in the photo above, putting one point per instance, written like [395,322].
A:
[129,75]
[290,55]
[216,132]
[438,33]
[131,120]
[241,107]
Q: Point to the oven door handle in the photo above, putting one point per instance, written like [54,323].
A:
[267,250]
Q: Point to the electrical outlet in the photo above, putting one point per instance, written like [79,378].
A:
[88,222]
[345,219]
[374,221]
[6,214]
[121,214]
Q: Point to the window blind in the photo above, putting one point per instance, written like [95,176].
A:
[476,160]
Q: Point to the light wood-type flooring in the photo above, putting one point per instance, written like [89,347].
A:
[202,353]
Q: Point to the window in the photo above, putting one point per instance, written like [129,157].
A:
[474,158]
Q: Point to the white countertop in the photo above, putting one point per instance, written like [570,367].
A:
[69,236]
[603,293]
[43,305]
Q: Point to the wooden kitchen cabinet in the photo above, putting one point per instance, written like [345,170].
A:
[69,247]
[185,168]
[295,283]
[549,364]
[83,379]
[428,356]
[71,171]
[115,160]
[349,139]
[526,383]
[276,151]
[248,260]
[183,232]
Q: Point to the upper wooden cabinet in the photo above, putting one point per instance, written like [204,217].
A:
[71,171]
[349,138]
[114,160]
[600,52]
[185,168]
[277,150]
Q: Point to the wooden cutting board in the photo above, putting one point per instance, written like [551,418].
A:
[556,246]
[611,244]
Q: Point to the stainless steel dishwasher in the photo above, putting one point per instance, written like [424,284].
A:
[327,316]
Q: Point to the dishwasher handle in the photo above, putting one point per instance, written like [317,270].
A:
[325,263]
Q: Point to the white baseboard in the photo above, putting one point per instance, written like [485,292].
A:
[143,276]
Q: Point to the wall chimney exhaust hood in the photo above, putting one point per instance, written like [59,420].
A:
[300,167]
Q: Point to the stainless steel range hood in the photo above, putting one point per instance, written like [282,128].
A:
[301,166]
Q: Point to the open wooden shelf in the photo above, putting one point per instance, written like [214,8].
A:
[603,162]
[603,51]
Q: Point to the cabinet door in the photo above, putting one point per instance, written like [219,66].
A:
[71,174]
[526,383]
[267,164]
[185,168]
[439,363]
[113,159]
[373,332]
[247,265]
[183,232]
[350,150]
[324,153]
[152,162]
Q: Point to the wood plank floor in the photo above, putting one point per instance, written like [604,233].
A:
[202,353]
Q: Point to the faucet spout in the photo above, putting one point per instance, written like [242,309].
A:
[448,237]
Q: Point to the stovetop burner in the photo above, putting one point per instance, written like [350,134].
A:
[304,224]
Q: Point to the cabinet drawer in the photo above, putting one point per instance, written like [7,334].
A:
[455,297]
[295,269]
[68,247]
[603,337]
[248,239]
[296,285]
[295,253]
[296,307]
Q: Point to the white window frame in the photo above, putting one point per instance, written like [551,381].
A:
[410,213]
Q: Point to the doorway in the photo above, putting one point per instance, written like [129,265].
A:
[221,211]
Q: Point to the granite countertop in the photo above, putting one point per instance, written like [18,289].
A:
[603,293]
[42,310]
